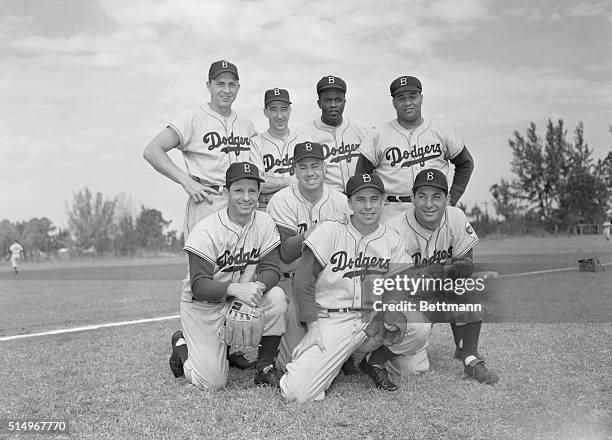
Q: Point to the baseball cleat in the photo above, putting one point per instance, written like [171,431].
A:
[478,371]
[379,375]
[176,364]
[349,368]
[268,376]
[237,360]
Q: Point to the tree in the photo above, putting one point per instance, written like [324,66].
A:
[37,235]
[150,229]
[8,235]
[126,240]
[505,200]
[90,220]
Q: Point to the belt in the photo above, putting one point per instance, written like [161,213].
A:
[217,188]
[399,199]
[345,310]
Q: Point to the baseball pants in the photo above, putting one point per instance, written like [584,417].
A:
[15,262]
[309,375]
[206,365]
[393,209]
[294,332]
[195,212]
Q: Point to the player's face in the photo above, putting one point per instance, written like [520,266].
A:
[366,206]
[408,105]
[310,174]
[242,198]
[278,113]
[429,205]
[223,90]
[331,102]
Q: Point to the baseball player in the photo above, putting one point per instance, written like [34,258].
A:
[272,151]
[16,252]
[440,239]
[410,143]
[340,136]
[232,255]
[606,229]
[211,138]
[297,211]
[328,289]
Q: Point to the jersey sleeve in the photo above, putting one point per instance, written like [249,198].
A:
[201,243]
[452,142]
[252,129]
[281,212]
[465,237]
[182,124]
[270,235]
[369,148]
[400,260]
[255,156]
[322,242]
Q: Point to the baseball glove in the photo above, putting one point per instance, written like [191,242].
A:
[386,328]
[590,265]
[243,326]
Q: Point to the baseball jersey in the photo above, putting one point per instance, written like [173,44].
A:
[399,154]
[274,158]
[340,147]
[292,211]
[16,249]
[210,142]
[606,225]
[451,240]
[233,250]
[348,257]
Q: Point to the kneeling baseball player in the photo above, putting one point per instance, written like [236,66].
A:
[328,289]
[440,240]
[230,296]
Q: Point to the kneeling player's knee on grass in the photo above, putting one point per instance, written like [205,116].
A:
[419,333]
[295,391]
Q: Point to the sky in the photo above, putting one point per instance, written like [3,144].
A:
[85,85]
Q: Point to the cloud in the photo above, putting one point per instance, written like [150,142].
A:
[587,9]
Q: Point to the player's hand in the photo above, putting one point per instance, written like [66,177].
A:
[249,293]
[312,337]
[198,192]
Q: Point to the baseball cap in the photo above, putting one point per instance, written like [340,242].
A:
[406,83]
[219,67]
[308,150]
[331,82]
[362,181]
[431,177]
[241,170]
[276,95]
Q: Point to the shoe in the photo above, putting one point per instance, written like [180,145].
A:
[237,360]
[349,368]
[176,364]
[478,371]
[379,375]
[459,354]
[268,376]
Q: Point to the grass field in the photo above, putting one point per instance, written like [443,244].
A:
[550,342]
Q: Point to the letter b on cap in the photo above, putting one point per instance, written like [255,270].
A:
[366,178]
[247,168]
[308,147]
[224,64]
[331,80]
[430,175]
[403,81]
[276,92]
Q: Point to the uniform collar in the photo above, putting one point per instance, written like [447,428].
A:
[418,130]
[323,126]
[207,109]
[296,191]
[358,235]
[234,227]
[414,224]
[270,137]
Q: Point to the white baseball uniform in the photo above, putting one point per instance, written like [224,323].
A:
[399,155]
[290,210]
[210,143]
[235,252]
[340,147]
[606,229]
[16,249]
[347,257]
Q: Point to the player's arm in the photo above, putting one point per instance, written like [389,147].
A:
[462,267]
[291,245]
[269,269]
[306,276]
[156,153]
[464,165]
[364,166]
[203,287]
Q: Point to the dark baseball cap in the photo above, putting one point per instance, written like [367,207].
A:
[331,82]
[431,177]
[406,84]
[219,67]
[308,150]
[363,181]
[241,170]
[276,95]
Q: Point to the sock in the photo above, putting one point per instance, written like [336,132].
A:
[469,359]
[456,335]
[469,335]
[379,356]
[181,347]
[268,349]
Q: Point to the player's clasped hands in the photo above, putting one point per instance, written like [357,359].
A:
[249,293]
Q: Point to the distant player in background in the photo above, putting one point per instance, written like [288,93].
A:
[340,136]
[272,151]
[16,254]
[410,143]
[606,229]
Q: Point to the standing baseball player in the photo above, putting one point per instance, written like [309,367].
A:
[606,229]
[441,241]
[340,136]
[16,252]
[272,151]
[410,143]
[297,211]
[233,255]
[211,138]
[328,288]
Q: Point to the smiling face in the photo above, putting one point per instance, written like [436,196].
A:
[278,113]
[331,102]
[242,199]
[223,91]
[366,205]
[429,206]
[310,174]
[408,105]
